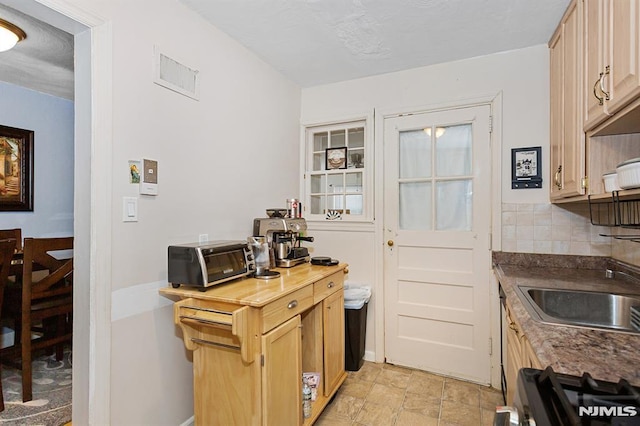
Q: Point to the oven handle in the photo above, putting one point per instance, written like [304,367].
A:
[514,418]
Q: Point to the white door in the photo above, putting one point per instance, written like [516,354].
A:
[437,202]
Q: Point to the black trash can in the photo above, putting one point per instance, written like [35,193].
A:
[355,326]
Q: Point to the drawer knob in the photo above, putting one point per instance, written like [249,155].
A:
[330,285]
[292,304]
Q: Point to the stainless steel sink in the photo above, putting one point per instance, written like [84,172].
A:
[609,311]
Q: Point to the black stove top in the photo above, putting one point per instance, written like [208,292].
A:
[556,399]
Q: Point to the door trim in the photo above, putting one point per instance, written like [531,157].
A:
[92,223]
[495,103]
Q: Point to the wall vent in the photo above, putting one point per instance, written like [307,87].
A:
[175,76]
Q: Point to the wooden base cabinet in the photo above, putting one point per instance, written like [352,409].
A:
[520,354]
[252,340]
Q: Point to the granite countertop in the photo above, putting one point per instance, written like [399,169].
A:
[605,355]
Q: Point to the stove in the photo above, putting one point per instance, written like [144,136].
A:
[547,398]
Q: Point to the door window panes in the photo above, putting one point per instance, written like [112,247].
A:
[415,206]
[415,154]
[334,191]
[454,205]
[442,200]
[453,151]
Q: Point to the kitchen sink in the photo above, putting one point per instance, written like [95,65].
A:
[617,312]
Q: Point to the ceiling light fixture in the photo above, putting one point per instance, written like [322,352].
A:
[439,131]
[9,35]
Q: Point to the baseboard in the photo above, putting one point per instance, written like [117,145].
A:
[189,422]
[369,356]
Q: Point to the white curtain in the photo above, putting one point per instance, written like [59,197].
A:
[437,159]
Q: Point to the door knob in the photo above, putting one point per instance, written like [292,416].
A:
[390,243]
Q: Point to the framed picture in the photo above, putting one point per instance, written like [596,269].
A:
[336,158]
[526,168]
[16,169]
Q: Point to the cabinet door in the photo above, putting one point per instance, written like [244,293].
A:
[282,375]
[514,358]
[333,325]
[530,360]
[567,137]
[594,61]
[556,131]
[622,52]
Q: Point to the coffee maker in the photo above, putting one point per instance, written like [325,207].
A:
[283,235]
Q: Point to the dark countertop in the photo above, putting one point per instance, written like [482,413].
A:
[606,355]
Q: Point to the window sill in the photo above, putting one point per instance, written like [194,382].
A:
[341,225]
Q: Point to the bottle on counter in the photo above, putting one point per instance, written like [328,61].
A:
[306,399]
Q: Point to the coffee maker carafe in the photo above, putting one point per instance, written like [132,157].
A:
[284,236]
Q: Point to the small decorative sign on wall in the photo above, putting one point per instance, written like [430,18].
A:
[526,168]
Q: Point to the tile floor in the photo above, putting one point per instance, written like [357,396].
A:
[383,394]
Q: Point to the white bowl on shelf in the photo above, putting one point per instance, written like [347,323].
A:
[629,174]
[611,181]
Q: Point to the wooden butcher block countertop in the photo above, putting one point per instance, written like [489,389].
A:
[258,292]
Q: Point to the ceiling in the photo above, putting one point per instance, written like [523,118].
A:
[324,41]
[43,61]
[316,42]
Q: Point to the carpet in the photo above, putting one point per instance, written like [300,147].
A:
[51,404]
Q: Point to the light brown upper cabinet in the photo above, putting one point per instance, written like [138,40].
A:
[612,57]
[567,137]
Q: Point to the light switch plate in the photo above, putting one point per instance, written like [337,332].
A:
[129,209]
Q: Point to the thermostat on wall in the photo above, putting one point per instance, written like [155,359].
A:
[149,178]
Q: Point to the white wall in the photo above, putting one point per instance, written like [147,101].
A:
[522,76]
[51,119]
[221,161]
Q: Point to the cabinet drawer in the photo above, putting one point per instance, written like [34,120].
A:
[327,286]
[275,313]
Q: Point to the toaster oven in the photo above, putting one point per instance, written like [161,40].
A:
[205,265]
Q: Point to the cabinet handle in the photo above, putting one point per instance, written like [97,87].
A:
[556,179]
[330,285]
[595,88]
[605,93]
[292,304]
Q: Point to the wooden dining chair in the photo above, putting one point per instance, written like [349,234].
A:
[15,233]
[7,249]
[42,305]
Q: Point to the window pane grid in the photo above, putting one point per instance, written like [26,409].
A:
[340,190]
[442,201]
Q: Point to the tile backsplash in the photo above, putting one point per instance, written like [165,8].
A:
[552,229]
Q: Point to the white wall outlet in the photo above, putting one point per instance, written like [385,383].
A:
[203,238]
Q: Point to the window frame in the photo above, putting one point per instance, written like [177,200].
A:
[307,159]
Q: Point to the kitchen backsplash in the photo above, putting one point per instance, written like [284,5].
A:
[549,228]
